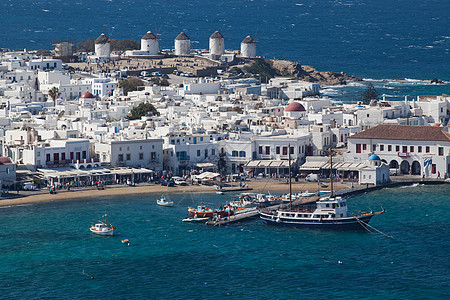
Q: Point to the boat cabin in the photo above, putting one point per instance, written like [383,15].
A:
[101,227]
[335,207]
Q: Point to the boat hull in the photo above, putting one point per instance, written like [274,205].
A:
[105,232]
[210,214]
[349,223]
[167,204]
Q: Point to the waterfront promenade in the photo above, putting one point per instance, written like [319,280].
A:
[273,186]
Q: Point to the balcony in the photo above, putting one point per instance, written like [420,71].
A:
[403,154]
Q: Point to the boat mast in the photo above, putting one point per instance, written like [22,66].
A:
[290,183]
[331,174]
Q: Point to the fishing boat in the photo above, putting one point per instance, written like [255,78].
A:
[163,202]
[102,227]
[327,213]
[202,211]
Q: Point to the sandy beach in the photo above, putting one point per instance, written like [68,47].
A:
[257,186]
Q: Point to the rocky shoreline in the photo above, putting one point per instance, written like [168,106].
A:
[274,67]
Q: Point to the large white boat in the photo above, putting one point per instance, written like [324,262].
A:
[103,228]
[327,213]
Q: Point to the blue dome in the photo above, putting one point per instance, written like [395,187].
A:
[374,157]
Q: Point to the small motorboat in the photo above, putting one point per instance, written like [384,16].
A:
[103,228]
[163,202]
[196,219]
[219,193]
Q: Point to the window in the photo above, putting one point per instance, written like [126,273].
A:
[381,147]
[433,168]
[441,151]
[364,146]
[140,147]
[234,153]
[153,155]
[277,150]
[198,152]
[84,154]
[141,155]
[397,148]
[427,149]
[358,148]
[285,151]
[241,153]
[120,157]
[419,149]
[213,152]
[374,147]
[260,150]
[63,156]
[128,156]
[405,149]
[120,148]
[292,150]
[47,157]
[267,150]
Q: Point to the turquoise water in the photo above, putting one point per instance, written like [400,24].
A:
[44,249]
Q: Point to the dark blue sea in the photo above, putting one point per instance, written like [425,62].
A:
[378,40]
[45,247]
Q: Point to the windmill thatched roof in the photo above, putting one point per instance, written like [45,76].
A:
[216,35]
[102,39]
[182,36]
[149,36]
[248,40]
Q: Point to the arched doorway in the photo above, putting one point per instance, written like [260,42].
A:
[415,168]
[404,167]
[393,164]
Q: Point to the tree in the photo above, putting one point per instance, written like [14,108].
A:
[54,93]
[123,45]
[86,46]
[131,84]
[143,109]
[369,94]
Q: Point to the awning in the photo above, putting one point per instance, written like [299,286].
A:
[207,175]
[205,165]
[268,164]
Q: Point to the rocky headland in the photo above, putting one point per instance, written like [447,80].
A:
[273,67]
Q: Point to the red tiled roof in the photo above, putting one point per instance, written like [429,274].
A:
[87,95]
[294,106]
[404,132]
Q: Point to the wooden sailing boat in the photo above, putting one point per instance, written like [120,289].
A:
[327,213]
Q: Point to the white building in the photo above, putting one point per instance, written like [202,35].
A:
[416,150]
[45,64]
[7,172]
[101,87]
[375,172]
[145,153]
